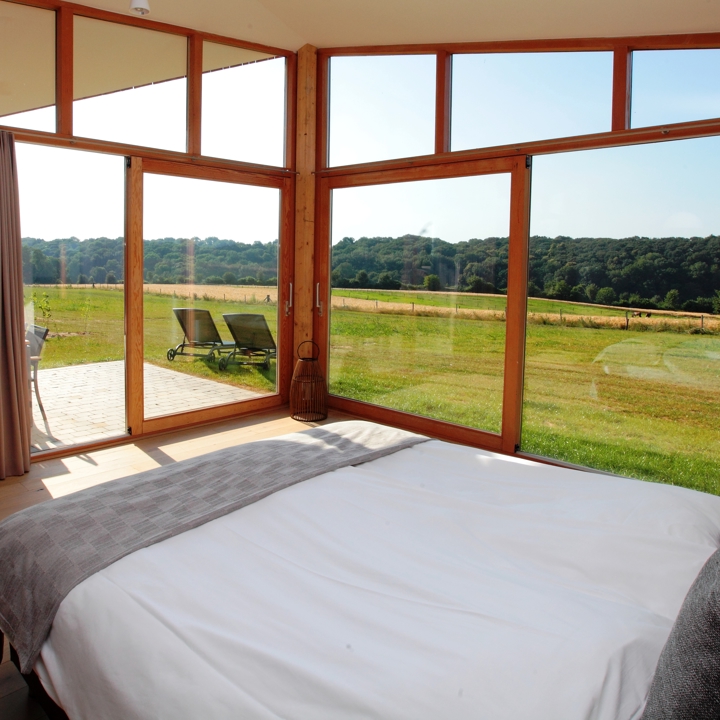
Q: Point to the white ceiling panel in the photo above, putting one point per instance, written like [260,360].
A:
[325,23]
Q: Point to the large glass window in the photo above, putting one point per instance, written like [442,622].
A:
[419,277]
[210,293]
[623,338]
[243,105]
[671,86]
[504,98]
[27,67]
[71,215]
[129,84]
[381,107]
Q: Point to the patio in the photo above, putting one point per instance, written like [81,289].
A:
[87,402]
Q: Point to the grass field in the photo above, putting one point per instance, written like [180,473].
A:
[86,325]
[633,402]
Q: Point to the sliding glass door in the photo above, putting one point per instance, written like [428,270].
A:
[210,293]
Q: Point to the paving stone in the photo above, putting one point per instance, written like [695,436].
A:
[87,402]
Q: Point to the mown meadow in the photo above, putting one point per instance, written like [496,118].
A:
[87,325]
[642,402]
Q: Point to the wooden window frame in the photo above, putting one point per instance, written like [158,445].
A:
[137,168]
[442,161]
[192,163]
[63,135]
[622,49]
[519,171]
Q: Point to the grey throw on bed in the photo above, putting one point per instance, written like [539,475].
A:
[48,549]
[686,685]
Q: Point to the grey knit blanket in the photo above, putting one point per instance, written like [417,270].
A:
[48,549]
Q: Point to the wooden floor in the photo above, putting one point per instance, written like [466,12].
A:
[55,478]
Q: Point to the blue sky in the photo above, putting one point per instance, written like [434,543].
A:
[383,107]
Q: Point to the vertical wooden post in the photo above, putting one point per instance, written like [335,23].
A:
[516,313]
[622,88]
[303,290]
[194,94]
[64,70]
[134,387]
[290,110]
[443,98]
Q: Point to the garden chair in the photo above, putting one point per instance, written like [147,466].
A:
[199,333]
[35,336]
[253,340]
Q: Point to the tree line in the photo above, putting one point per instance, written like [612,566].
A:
[167,260]
[672,273]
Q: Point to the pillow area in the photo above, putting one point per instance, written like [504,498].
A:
[686,685]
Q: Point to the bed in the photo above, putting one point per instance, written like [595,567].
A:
[438,581]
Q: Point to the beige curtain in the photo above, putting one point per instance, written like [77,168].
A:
[15,415]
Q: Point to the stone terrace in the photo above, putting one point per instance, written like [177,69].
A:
[87,402]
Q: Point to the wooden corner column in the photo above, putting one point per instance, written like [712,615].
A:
[303,294]
[134,405]
[518,254]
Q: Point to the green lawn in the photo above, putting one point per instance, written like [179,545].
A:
[86,325]
[644,404]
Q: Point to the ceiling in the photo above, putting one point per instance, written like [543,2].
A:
[291,24]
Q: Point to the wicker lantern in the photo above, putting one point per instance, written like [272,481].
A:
[308,393]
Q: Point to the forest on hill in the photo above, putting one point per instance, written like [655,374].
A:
[673,273]
[167,260]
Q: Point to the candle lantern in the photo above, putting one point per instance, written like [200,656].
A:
[308,392]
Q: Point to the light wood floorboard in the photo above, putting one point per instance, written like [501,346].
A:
[55,478]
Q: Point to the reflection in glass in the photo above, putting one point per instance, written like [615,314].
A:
[129,84]
[243,105]
[670,86]
[504,98]
[381,107]
[210,294]
[71,208]
[27,67]
[419,276]
[623,340]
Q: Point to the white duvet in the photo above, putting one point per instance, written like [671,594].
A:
[440,582]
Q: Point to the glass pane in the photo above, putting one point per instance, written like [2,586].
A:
[27,67]
[671,86]
[129,84]
[243,105]
[72,218]
[210,298]
[381,107]
[505,98]
[623,341]
[419,275]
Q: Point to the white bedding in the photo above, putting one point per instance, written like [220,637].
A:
[438,582]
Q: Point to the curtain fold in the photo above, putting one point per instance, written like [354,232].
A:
[15,412]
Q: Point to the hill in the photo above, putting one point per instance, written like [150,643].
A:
[674,273]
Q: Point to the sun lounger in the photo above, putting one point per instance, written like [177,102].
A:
[200,334]
[254,344]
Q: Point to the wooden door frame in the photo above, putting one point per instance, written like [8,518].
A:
[138,424]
